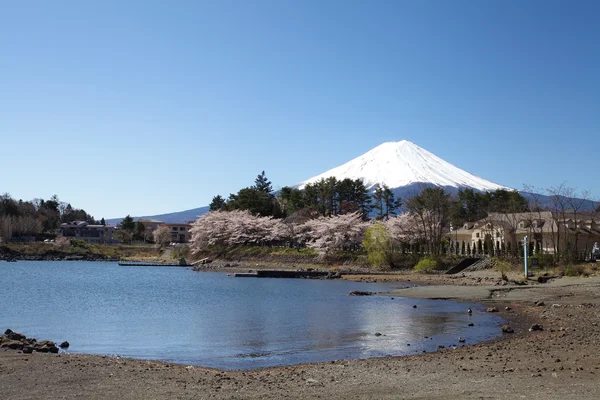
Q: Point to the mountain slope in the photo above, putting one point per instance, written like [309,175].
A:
[404,165]
[169,218]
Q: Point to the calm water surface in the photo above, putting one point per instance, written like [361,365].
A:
[209,319]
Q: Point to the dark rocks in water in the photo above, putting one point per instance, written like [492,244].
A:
[492,309]
[361,293]
[414,306]
[507,329]
[64,345]
[377,334]
[17,341]
[16,336]
[12,335]
[461,340]
[471,324]
[536,327]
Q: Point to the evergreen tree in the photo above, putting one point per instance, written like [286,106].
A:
[217,203]
[361,197]
[139,231]
[127,224]
[291,200]
[102,221]
[378,204]
[262,184]
[391,203]
[344,197]
[256,201]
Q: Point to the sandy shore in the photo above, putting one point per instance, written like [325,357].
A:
[560,362]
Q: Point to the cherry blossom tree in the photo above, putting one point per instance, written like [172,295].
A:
[405,228]
[237,227]
[340,232]
[162,235]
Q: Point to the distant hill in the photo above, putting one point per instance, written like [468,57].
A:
[169,218]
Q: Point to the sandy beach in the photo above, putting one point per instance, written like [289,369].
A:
[560,362]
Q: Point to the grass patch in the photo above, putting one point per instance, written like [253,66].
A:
[574,270]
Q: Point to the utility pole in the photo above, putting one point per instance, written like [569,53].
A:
[525,255]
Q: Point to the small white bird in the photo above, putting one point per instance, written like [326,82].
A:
[470,311]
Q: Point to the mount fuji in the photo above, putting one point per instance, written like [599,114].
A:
[405,167]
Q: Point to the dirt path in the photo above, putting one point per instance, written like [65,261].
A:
[560,362]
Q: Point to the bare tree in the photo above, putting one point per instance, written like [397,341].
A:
[432,208]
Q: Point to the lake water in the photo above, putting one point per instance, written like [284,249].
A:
[209,319]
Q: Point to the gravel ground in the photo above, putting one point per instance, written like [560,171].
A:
[560,362]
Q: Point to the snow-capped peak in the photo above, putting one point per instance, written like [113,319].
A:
[398,164]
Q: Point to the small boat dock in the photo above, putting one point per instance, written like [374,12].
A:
[148,264]
[285,274]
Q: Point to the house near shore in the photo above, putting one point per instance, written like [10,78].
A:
[98,234]
[180,233]
[547,232]
[149,226]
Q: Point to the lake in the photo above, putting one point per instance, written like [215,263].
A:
[210,319]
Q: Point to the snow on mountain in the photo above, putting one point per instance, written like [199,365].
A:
[402,164]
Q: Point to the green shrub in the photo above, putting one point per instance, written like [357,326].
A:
[574,270]
[503,267]
[545,260]
[79,243]
[427,264]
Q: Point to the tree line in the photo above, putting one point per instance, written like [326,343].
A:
[326,197]
[37,217]
[417,223]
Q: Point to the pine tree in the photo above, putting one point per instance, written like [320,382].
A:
[361,197]
[127,224]
[217,203]
[391,203]
[262,184]
[378,203]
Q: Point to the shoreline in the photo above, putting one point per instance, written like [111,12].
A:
[556,363]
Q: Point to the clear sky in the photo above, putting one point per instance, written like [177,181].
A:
[144,107]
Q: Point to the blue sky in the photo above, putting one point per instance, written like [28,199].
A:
[146,107]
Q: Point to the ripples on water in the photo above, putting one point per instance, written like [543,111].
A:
[209,319]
